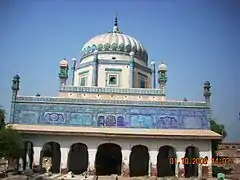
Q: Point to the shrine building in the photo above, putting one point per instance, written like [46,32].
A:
[114,117]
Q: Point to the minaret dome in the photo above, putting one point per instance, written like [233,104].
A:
[163,67]
[63,63]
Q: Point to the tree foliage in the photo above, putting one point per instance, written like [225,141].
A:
[2,118]
[10,140]
[220,129]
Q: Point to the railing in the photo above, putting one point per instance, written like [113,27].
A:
[42,99]
[142,91]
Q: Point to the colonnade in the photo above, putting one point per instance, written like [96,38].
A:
[110,158]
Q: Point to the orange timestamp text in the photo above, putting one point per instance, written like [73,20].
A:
[199,160]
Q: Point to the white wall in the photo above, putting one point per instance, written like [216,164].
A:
[125,78]
[126,145]
[124,75]
[106,56]
[89,75]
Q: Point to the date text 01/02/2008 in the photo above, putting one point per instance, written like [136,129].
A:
[185,160]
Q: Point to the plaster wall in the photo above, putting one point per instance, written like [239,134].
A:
[123,75]
[126,145]
[89,75]
[136,77]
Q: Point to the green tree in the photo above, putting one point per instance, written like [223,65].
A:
[2,118]
[10,140]
[220,129]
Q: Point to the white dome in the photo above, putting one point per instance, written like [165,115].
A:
[64,63]
[115,41]
[163,67]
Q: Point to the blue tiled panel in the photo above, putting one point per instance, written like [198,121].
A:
[112,116]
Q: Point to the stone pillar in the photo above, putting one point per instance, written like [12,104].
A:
[206,169]
[199,171]
[91,164]
[153,74]
[131,69]
[180,167]
[95,69]
[177,169]
[125,162]
[153,163]
[64,160]
[210,171]
[36,155]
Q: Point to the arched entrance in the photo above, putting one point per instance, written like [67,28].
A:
[78,158]
[52,149]
[28,155]
[191,170]
[108,159]
[139,161]
[164,165]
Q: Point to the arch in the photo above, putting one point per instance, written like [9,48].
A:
[78,158]
[52,149]
[191,170]
[28,155]
[139,161]
[164,166]
[108,159]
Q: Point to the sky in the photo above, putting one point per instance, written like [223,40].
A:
[199,40]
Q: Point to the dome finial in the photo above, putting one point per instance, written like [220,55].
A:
[116,20]
[115,27]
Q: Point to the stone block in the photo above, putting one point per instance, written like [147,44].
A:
[64,170]
[153,170]
[181,172]
[205,172]
[69,175]
[104,178]
[125,170]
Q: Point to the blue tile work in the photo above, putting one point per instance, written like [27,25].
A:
[95,115]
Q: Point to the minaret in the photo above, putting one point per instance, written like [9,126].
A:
[207,91]
[95,69]
[15,86]
[153,74]
[162,77]
[15,89]
[63,74]
[131,69]
[74,60]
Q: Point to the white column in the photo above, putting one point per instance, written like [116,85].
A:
[199,171]
[92,156]
[126,159]
[180,155]
[64,158]
[36,155]
[176,169]
[203,154]
[153,161]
